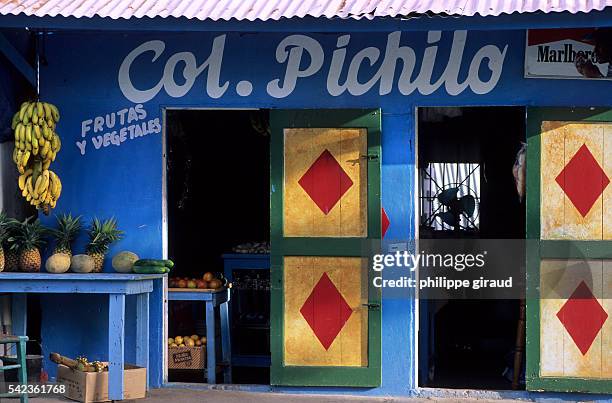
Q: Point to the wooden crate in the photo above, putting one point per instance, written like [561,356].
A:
[187,357]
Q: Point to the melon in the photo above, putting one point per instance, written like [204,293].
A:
[123,261]
[58,263]
[82,264]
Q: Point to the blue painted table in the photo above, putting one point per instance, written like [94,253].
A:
[115,285]
[212,299]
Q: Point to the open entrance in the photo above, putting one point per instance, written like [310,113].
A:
[218,207]
[469,343]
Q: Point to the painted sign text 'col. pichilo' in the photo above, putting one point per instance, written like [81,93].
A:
[396,66]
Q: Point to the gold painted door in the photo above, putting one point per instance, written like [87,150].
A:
[325,192]
[569,207]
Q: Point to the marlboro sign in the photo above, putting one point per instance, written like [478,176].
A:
[569,53]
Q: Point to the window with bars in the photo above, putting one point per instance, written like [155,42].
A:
[450,196]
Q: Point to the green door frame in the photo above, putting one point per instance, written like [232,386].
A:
[538,249]
[369,376]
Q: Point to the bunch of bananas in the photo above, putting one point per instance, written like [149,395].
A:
[36,146]
[40,186]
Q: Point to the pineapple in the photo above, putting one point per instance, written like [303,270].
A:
[67,230]
[29,237]
[6,226]
[11,259]
[101,235]
[11,251]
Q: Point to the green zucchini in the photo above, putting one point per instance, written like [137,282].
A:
[150,262]
[154,262]
[149,269]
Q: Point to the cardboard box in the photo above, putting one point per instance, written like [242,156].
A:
[187,357]
[88,387]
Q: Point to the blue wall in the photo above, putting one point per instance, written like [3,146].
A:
[126,181]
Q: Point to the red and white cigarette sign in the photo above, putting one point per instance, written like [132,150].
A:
[569,53]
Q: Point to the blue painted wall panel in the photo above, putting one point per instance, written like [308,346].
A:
[126,181]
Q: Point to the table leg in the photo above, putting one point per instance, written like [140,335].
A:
[226,343]
[116,336]
[142,332]
[211,362]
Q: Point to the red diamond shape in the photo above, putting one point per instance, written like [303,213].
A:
[583,317]
[326,311]
[325,182]
[583,180]
[384,222]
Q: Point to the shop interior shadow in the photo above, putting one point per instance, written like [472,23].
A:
[218,184]
[469,343]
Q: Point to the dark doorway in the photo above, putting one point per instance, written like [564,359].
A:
[218,198]
[469,343]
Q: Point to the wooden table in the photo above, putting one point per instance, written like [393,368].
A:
[116,285]
[212,299]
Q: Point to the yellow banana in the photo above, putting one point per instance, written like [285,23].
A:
[53,155]
[35,116]
[15,151]
[34,142]
[23,177]
[29,185]
[38,185]
[55,112]
[28,197]
[24,192]
[28,134]
[47,133]
[25,158]
[53,203]
[48,113]
[44,185]
[55,142]
[37,132]
[28,146]
[40,109]
[22,110]
[56,190]
[54,184]
[46,164]
[15,121]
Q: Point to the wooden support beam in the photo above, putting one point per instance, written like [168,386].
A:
[17,60]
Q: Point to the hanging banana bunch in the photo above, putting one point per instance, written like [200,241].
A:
[36,146]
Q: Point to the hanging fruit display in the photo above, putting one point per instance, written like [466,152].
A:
[36,146]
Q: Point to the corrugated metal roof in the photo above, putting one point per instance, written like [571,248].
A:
[276,9]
